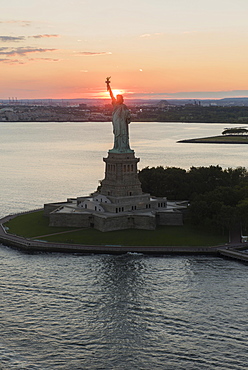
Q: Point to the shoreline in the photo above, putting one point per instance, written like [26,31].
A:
[28,245]
[228,139]
[34,245]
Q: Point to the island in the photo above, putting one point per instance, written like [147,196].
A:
[235,135]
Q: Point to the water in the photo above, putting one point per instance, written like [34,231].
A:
[113,312]
[122,312]
[47,162]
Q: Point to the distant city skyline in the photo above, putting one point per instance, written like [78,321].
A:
[156,49]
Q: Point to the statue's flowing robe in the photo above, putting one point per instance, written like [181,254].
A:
[121,118]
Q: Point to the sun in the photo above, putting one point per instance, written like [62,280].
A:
[118,92]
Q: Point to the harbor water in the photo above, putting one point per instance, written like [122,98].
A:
[130,311]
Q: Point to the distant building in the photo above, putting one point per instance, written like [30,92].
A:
[163,104]
[83,106]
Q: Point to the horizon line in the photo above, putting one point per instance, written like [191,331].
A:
[16,99]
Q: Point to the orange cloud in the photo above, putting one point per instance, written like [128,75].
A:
[94,53]
[11,61]
[45,59]
[150,35]
[43,36]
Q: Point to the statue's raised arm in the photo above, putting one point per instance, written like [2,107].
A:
[110,90]
[121,118]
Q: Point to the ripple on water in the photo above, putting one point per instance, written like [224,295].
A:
[122,312]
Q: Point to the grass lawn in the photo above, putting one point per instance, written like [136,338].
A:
[31,225]
[35,225]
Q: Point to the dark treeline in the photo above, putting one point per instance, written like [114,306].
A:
[218,198]
[192,113]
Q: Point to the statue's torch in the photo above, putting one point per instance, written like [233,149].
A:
[108,82]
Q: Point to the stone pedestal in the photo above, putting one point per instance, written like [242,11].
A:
[121,175]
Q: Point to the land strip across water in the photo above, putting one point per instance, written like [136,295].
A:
[227,139]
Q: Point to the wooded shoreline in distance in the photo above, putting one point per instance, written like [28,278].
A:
[162,111]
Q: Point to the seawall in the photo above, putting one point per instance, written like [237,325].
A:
[30,246]
[33,246]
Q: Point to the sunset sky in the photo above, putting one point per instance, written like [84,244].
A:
[150,48]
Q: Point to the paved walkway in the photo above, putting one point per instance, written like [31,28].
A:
[61,232]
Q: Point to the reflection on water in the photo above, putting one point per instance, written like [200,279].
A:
[123,289]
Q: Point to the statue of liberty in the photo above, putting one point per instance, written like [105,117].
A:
[121,118]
